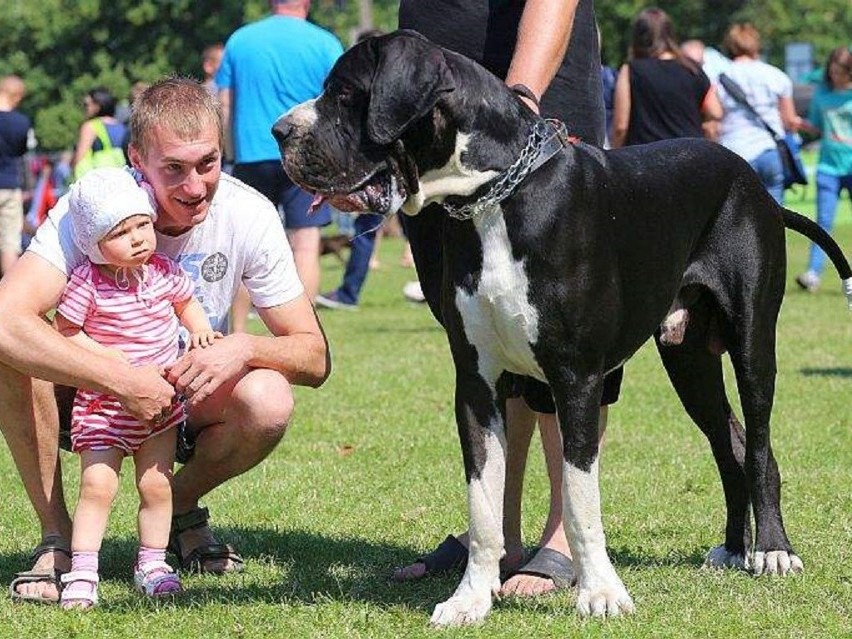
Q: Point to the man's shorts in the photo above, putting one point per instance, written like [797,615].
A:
[538,397]
[269,179]
[11,220]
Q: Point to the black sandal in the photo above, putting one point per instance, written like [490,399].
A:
[197,558]
[450,556]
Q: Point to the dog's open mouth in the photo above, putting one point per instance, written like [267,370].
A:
[381,192]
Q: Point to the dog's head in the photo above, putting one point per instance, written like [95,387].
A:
[388,128]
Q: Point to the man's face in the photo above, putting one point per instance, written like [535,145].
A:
[184,174]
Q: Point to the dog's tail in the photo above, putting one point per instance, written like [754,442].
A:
[819,236]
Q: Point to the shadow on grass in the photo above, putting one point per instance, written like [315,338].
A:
[301,567]
[827,372]
[635,557]
[283,567]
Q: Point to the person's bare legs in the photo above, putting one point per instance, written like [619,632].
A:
[98,486]
[553,535]
[520,422]
[30,425]
[240,308]
[236,428]
[305,243]
[154,461]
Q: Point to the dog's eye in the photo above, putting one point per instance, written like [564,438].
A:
[345,94]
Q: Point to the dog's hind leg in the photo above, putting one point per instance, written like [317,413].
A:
[753,356]
[483,441]
[696,374]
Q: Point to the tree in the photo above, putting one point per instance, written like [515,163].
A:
[63,48]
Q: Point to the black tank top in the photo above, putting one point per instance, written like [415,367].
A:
[665,100]
[486,31]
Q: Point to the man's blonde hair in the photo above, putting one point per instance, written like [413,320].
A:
[181,105]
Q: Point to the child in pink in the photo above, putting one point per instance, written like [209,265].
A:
[127,302]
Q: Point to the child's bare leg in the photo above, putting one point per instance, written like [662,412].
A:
[154,465]
[98,486]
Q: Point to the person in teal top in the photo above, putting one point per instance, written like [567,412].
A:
[830,117]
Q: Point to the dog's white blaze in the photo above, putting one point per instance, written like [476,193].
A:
[498,318]
[471,600]
[454,178]
[302,116]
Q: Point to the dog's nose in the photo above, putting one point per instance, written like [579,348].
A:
[282,130]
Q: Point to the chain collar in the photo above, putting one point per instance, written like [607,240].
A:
[546,139]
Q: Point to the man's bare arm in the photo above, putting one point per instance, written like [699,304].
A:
[31,345]
[297,349]
[543,37]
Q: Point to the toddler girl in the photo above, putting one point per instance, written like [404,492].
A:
[124,301]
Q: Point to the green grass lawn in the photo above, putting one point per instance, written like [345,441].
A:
[370,474]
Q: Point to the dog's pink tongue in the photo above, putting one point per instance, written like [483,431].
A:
[316,203]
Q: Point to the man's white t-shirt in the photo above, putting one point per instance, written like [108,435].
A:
[241,240]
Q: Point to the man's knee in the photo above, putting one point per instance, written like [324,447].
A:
[264,399]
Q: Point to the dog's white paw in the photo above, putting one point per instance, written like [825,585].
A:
[776,562]
[461,610]
[719,558]
[608,600]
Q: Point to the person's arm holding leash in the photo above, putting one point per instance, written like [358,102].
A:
[31,345]
[543,37]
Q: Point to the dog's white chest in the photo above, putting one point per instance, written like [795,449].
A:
[498,319]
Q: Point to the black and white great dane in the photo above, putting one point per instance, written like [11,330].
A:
[559,261]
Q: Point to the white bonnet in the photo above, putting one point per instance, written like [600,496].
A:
[101,199]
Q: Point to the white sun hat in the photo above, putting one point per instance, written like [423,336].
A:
[100,200]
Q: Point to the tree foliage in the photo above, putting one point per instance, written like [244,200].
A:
[63,48]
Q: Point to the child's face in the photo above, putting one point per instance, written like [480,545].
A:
[130,242]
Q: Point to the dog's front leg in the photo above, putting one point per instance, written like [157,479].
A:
[600,590]
[483,441]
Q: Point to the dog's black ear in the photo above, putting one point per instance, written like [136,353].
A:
[411,74]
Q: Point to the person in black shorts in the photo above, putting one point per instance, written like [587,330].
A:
[531,43]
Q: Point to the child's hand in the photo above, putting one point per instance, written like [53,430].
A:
[203,339]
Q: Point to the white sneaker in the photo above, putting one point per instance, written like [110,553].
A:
[412,292]
[808,281]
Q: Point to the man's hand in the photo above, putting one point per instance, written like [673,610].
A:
[150,395]
[201,371]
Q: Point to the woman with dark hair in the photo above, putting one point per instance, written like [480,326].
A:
[830,119]
[660,93]
[770,93]
[99,142]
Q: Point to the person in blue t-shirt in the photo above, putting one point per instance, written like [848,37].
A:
[14,132]
[270,66]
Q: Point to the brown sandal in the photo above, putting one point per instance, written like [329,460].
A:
[51,543]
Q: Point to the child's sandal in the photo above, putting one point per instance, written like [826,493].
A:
[156,579]
[80,590]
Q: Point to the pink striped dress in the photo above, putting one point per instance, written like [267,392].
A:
[141,322]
